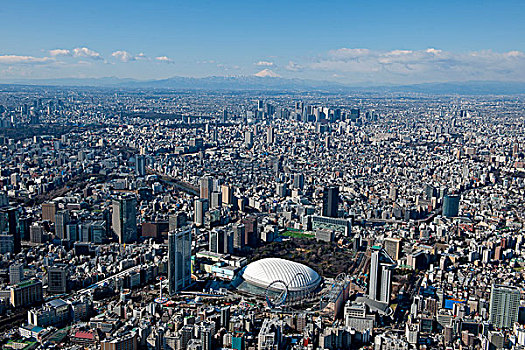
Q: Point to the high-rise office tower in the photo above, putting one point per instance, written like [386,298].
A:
[225,317]
[355,113]
[10,222]
[215,199]
[84,230]
[36,233]
[61,221]
[207,330]
[250,231]
[277,164]
[124,218]
[392,194]
[72,234]
[392,246]
[380,282]
[16,273]
[179,259]
[206,187]
[331,201]
[140,164]
[4,200]
[430,191]
[217,241]
[49,211]
[177,220]
[239,237]
[281,190]
[248,138]
[504,305]
[227,194]
[201,207]
[57,279]
[260,105]
[451,205]
[270,135]
[298,181]
[6,244]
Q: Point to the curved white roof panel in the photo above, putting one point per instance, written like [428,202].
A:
[297,277]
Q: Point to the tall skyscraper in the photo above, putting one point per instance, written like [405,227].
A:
[239,239]
[201,207]
[49,211]
[248,138]
[331,201]
[355,113]
[207,331]
[206,187]
[125,218]
[298,181]
[270,135]
[215,199]
[177,220]
[227,194]
[10,222]
[504,305]
[36,233]
[451,205]
[179,259]
[61,221]
[225,316]
[380,282]
[250,231]
[140,164]
[217,241]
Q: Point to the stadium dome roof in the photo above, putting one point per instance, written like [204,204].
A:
[296,276]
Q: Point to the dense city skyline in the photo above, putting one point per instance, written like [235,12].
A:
[271,175]
[347,42]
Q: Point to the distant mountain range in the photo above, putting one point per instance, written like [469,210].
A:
[272,83]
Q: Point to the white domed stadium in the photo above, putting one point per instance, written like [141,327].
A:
[276,274]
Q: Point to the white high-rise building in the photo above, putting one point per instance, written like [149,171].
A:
[380,283]
[504,305]
[16,273]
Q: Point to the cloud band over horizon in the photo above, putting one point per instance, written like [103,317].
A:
[344,65]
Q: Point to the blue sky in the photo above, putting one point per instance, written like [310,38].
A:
[347,41]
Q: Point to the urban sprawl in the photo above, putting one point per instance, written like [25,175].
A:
[151,219]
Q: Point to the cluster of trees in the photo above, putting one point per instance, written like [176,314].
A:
[328,259]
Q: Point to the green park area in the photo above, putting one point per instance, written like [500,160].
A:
[294,233]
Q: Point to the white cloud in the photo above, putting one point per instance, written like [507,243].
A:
[264,64]
[294,67]
[15,59]
[407,66]
[346,53]
[164,59]
[123,56]
[59,52]
[85,52]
